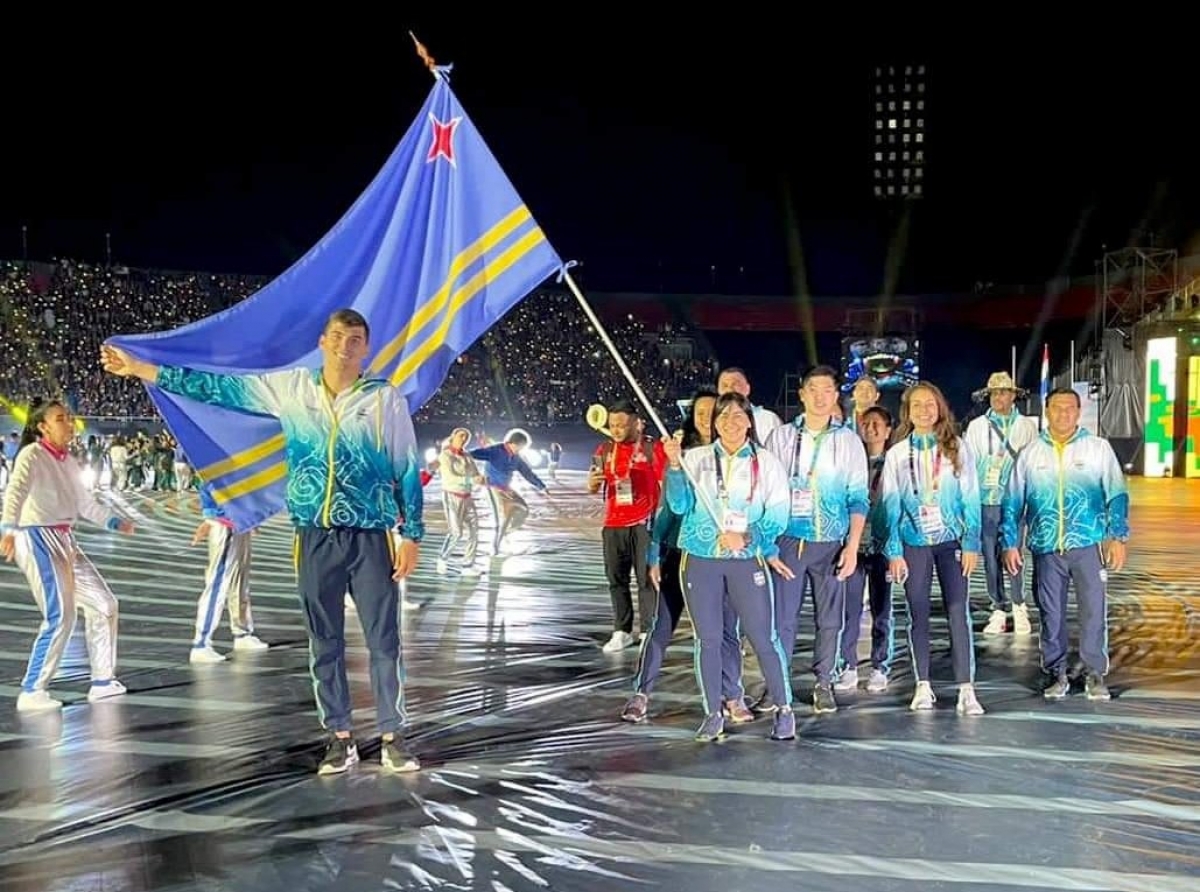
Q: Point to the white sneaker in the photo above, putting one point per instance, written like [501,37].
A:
[107,691]
[37,701]
[1021,624]
[205,654]
[998,624]
[878,682]
[968,704]
[923,697]
[406,604]
[618,642]
[848,680]
[472,572]
[249,642]
[442,567]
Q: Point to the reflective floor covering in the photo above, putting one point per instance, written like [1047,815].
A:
[202,777]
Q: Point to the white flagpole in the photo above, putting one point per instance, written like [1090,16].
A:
[616,354]
[1072,365]
[637,388]
[1014,362]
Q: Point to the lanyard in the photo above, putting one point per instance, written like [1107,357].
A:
[876,473]
[612,459]
[817,441]
[934,478]
[1007,433]
[722,493]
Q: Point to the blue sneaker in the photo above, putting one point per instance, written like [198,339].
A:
[712,729]
[785,724]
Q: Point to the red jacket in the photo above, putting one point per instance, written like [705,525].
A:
[643,464]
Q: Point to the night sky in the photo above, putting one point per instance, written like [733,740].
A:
[648,154]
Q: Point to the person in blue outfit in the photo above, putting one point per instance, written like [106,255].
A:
[353,477]
[826,467]
[1067,486]
[664,559]
[931,504]
[733,498]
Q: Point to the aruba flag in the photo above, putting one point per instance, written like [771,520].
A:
[433,253]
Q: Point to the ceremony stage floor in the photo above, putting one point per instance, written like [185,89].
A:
[203,777]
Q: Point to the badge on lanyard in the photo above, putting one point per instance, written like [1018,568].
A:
[931,520]
[624,491]
[802,503]
[991,477]
[801,484]
[735,522]
[732,520]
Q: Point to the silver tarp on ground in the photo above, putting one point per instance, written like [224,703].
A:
[202,778]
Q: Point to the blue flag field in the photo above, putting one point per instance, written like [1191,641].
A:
[433,253]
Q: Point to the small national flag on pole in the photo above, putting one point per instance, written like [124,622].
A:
[1045,391]
[433,253]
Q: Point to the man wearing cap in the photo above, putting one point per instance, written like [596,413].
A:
[996,438]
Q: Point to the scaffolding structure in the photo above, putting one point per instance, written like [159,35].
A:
[1133,283]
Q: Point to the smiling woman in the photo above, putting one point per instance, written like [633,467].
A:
[42,501]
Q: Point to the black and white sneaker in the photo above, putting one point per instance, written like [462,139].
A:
[339,756]
[394,756]
[1059,688]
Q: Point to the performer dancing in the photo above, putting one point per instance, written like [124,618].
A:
[226,582]
[44,498]
[504,460]
[459,475]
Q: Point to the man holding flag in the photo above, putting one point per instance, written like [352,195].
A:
[353,477]
[435,251]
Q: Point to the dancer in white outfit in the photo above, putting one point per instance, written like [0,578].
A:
[226,582]
[459,475]
[41,504]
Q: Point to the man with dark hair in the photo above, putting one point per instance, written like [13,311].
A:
[353,482]
[630,471]
[503,460]
[1067,486]
[735,380]
[827,473]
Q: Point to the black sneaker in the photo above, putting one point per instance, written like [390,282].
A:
[394,756]
[823,698]
[341,754]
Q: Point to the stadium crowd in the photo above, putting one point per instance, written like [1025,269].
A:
[543,363]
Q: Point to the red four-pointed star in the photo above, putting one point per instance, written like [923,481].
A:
[443,139]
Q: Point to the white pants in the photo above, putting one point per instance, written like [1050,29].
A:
[63,580]
[462,521]
[226,582]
